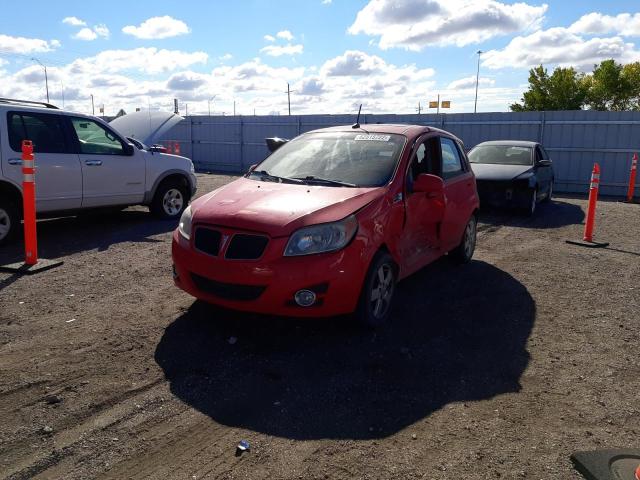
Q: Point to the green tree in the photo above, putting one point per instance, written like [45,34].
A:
[631,75]
[609,88]
[565,89]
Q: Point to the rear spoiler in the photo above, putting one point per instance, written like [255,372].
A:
[275,143]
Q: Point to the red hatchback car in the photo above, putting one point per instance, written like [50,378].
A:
[329,222]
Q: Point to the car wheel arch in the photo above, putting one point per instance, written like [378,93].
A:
[171,175]
[9,190]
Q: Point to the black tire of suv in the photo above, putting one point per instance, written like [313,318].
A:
[365,313]
[157,207]
[11,215]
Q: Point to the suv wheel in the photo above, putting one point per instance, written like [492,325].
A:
[9,222]
[170,200]
[379,286]
[464,252]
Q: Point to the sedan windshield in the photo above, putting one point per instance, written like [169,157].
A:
[501,154]
[335,159]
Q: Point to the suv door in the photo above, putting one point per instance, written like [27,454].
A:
[58,172]
[459,187]
[110,174]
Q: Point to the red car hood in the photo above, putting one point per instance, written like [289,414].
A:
[278,208]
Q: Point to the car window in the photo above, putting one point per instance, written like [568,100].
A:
[95,139]
[45,131]
[451,162]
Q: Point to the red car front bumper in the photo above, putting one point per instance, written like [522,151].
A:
[268,285]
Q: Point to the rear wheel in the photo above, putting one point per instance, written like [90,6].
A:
[379,285]
[9,222]
[464,252]
[170,200]
[547,199]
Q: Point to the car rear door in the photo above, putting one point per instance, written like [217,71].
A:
[110,176]
[58,173]
[459,187]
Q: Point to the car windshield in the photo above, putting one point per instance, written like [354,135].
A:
[336,159]
[501,154]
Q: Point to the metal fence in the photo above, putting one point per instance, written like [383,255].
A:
[573,139]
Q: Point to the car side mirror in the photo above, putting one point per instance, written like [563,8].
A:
[544,163]
[252,168]
[275,143]
[432,185]
[129,149]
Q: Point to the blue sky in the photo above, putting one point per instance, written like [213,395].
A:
[387,54]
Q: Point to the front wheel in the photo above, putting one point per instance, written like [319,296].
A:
[9,222]
[464,252]
[170,200]
[379,286]
[532,202]
[547,199]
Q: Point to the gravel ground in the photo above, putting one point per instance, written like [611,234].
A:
[498,369]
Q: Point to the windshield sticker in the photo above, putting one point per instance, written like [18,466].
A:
[375,138]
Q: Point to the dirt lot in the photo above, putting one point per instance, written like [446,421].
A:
[497,369]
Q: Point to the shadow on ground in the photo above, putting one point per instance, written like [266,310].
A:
[58,237]
[555,214]
[458,334]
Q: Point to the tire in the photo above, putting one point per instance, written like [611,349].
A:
[380,283]
[170,200]
[547,198]
[463,253]
[530,209]
[9,222]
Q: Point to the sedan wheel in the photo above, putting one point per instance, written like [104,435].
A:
[533,202]
[5,224]
[549,195]
[377,292]
[382,291]
[463,253]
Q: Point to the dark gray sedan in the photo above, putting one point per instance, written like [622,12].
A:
[512,173]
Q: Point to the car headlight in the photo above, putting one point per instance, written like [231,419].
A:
[326,237]
[192,167]
[184,227]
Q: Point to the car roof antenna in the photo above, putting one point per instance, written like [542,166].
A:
[357,124]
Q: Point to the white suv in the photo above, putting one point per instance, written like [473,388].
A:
[82,163]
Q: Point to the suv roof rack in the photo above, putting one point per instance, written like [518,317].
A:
[27,102]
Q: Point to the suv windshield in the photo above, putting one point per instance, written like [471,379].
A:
[501,154]
[336,159]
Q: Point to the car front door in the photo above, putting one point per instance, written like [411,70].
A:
[58,172]
[459,187]
[420,242]
[544,171]
[110,175]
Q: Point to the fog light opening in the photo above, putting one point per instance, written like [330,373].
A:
[305,298]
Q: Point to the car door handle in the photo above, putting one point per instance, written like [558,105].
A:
[14,161]
[93,163]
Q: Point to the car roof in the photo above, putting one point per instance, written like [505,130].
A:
[510,143]
[393,128]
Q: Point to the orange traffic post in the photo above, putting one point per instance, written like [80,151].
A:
[29,204]
[638,473]
[632,177]
[32,264]
[591,212]
[593,200]
[176,148]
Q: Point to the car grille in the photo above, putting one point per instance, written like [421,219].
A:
[228,291]
[246,247]
[494,190]
[207,240]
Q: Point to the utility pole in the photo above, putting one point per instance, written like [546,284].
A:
[234,108]
[289,92]
[419,109]
[46,79]
[209,103]
[475,105]
[186,109]
[93,110]
[438,110]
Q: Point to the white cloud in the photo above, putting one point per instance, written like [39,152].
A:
[9,44]
[470,82]
[270,38]
[353,63]
[415,24]
[559,46]
[326,2]
[86,34]
[285,35]
[158,27]
[625,24]
[74,21]
[101,30]
[225,57]
[279,50]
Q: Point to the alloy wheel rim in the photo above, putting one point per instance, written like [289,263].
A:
[382,291]
[470,238]
[172,202]
[5,223]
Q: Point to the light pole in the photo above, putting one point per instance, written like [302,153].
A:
[475,105]
[209,103]
[289,98]
[93,110]
[46,79]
